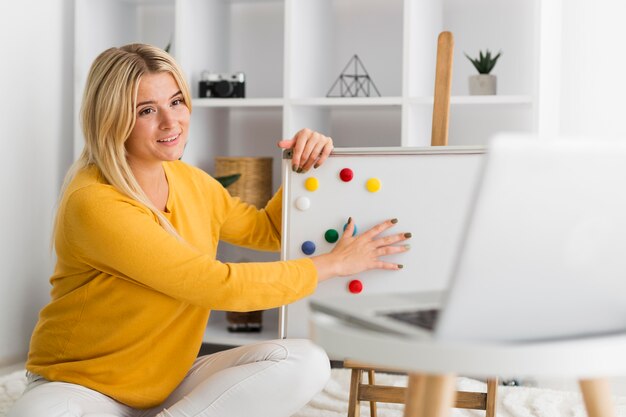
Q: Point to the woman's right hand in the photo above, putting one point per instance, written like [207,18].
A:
[354,254]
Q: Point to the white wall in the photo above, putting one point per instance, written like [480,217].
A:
[35,139]
[582,78]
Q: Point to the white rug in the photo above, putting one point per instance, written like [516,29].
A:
[333,401]
[512,401]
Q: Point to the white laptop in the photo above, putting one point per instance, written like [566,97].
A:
[543,253]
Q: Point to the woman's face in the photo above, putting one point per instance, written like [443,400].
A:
[162,121]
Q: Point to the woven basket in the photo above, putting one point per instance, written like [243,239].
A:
[254,187]
[255,184]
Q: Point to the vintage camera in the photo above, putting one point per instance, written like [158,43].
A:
[221,85]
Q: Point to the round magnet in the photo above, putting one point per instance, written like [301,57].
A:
[346,175]
[331,235]
[303,203]
[355,286]
[311,184]
[373,185]
[308,247]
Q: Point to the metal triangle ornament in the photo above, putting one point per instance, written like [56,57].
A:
[357,83]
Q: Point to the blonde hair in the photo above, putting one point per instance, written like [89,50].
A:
[108,115]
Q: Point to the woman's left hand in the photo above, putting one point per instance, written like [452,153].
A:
[310,149]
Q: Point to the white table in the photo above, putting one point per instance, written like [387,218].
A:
[433,366]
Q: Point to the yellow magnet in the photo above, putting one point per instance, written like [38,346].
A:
[372,185]
[311,184]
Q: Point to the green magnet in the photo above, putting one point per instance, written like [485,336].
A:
[331,235]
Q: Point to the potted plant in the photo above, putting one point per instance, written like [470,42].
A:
[484,83]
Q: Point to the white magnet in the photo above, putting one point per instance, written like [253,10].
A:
[303,203]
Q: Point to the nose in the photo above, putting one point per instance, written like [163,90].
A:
[167,119]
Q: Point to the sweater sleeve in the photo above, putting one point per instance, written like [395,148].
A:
[247,226]
[121,237]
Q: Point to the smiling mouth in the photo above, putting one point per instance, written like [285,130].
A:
[170,139]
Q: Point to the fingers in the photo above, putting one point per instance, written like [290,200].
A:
[391,250]
[285,143]
[388,266]
[349,230]
[311,154]
[310,149]
[365,250]
[379,228]
[390,240]
[328,148]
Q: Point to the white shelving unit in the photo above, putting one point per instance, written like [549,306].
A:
[292,51]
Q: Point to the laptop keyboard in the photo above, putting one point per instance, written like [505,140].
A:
[420,318]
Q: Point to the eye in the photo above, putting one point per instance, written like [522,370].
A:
[177,101]
[146,111]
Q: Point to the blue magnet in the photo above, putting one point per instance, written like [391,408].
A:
[308,247]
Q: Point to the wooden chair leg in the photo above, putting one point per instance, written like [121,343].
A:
[597,397]
[492,391]
[371,381]
[354,407]
[430,395]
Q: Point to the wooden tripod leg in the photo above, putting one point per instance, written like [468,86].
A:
[597,397]
[443,86]
[430,395]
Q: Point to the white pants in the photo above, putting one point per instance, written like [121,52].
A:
[270,379]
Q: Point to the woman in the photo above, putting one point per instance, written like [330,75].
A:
[136,276]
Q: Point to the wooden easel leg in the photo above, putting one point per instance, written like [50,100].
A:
[430,395]
[371,381]
[492,391]
[354,406]
[597,397]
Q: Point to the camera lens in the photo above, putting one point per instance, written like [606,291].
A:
[223,89]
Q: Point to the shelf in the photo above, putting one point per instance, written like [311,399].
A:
[148,2]
[217,333]
[237,102]
[348,101]
[356,102]
[479,100]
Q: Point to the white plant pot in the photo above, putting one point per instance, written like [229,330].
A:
[482,85]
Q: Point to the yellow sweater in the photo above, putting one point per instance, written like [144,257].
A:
[130,302]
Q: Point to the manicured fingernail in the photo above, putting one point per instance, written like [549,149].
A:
[349,220]
[407,235]
[299,171]
[407,247]
[304,171]
[394,221]
[294,167]
[400,266]
[316,166]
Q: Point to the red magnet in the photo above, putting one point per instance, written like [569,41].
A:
[355,286]
[346,174]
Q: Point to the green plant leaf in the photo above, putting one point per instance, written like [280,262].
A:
[485,61]
[227,180]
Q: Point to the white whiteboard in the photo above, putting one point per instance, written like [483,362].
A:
[429,191]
